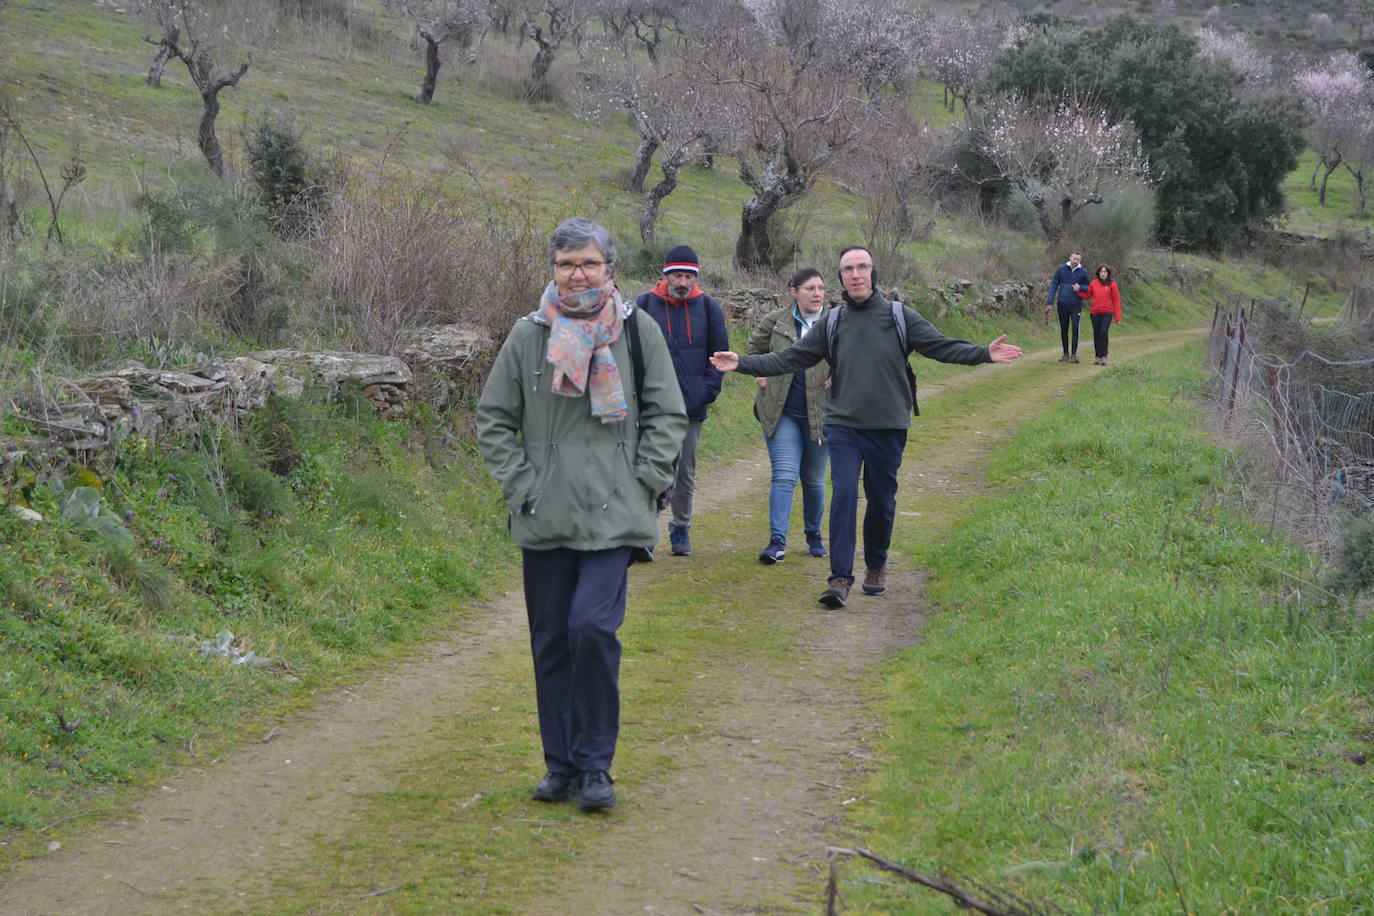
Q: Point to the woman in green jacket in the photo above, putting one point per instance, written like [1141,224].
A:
[581,447]
[791,409]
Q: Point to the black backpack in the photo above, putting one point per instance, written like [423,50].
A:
[832,321]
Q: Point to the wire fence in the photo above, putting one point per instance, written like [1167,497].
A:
[1307,446]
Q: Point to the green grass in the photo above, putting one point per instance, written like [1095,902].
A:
[1128,701]
[1306,216]
[372,538]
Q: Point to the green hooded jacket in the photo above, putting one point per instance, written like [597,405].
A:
[569,480]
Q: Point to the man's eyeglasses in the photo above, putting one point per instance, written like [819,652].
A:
[856,268]
[568,268]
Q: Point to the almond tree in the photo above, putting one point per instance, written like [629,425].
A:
[436,23]
[197,32]
[1061,157]
[548,23]
[787,114]
[1332,95]
[957,52]
[672,111]
[1254,67]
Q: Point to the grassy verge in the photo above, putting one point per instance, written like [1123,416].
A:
[367,534]
[1129,701]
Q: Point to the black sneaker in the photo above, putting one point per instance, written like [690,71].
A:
[594,791]
[815,547]
[774,552]
[641,555]
[680,542]
[555,787]
[838,592]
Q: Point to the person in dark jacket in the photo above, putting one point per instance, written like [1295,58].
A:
[1068,289]
[868,408]
[580,447]
[694,327]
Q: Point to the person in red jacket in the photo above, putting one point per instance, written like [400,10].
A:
[1104,307]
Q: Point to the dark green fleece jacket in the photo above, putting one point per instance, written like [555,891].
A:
[868,383]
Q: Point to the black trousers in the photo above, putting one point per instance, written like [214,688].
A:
[576,601]
[1101,325]
[1069,316]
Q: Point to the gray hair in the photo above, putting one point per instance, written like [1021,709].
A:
[579,232]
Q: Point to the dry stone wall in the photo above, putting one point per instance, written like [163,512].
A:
[85,419]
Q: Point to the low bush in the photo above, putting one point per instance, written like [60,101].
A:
[399,256]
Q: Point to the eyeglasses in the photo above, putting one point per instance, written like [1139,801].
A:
[856,268]
[568,268]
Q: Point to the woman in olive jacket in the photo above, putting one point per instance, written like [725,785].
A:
[791,409]
[581,449]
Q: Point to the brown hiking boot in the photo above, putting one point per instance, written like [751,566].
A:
[875,581]
[837,592]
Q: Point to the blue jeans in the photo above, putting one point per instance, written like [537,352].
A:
[877,455]
[793,453]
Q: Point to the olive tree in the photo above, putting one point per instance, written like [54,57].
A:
[1060,156]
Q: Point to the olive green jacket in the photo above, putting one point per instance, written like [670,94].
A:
[778,331]
[569,480]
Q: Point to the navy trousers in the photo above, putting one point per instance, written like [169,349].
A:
[877,453]
[576,602]
[1069,316]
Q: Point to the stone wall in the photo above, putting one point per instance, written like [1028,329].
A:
[86,418]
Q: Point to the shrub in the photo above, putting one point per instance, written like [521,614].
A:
[399,256]
[283,171]
[1117,229]
[1354,570]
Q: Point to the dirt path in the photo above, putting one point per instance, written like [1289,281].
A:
[736,826]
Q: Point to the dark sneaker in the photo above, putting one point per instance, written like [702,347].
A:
[875,581]
[641,555]
[678,540]
[1073,359]
[837,593]
[1064,358]
[774,552]
[814,545]
[594,791]
[555,787]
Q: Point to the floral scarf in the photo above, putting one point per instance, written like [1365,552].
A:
[582,328]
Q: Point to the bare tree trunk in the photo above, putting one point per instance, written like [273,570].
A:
[164,52]
[1358,175]
[208,140]
[1331,166]
[754,247]
[539,74]
[649,216]
[644,158]
[431,67]
[1042,212]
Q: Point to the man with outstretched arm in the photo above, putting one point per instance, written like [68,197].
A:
[869,408]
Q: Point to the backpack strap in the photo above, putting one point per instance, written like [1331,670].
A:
[832,320]
[899,322]
[636,351]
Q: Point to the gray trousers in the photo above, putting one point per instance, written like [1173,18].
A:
[686,480]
